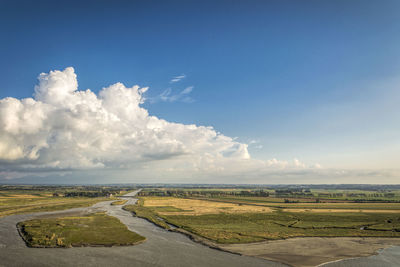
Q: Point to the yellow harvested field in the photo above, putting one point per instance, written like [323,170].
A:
[24,196]
[342,210]
[199,207]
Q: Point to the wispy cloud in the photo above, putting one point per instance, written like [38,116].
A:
[255,144]
[168,96]
[177,78]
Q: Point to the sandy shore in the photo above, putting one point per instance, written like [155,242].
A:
[313,251]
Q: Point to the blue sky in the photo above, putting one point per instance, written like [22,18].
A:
[313,80]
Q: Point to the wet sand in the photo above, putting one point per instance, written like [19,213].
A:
[313,251]
[389,257]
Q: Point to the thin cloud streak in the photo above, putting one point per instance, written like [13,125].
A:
[177,78]
[168,96]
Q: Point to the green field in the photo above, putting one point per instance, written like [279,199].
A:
[252,227]
[242,224]
[91,230]
[310,193]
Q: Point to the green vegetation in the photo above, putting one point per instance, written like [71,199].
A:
[288,194]
[91,230]
[253,227]
[147,214]
[66,191]
[119,202]
[235,225]
[167,209]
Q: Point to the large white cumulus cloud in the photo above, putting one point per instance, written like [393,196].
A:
[63,128]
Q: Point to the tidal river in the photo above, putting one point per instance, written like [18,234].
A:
[162,248]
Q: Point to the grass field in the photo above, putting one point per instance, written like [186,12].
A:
[226,222]
[371,193]
[253,227]
[279,203]
[179,206]
[91,230]
[17,202]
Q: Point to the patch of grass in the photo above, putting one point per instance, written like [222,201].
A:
[119,202]
[92,230]
[252,227]
[167,209]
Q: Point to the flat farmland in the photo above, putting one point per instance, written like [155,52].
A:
[279,203]
[179,206]
[229,223]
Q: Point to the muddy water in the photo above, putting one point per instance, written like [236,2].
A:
[162,248]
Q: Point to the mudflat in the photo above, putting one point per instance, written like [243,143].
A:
[312,251]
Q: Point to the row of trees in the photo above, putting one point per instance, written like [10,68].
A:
[203,193]
[90,193]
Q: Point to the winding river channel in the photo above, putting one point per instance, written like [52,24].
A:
[162,248]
